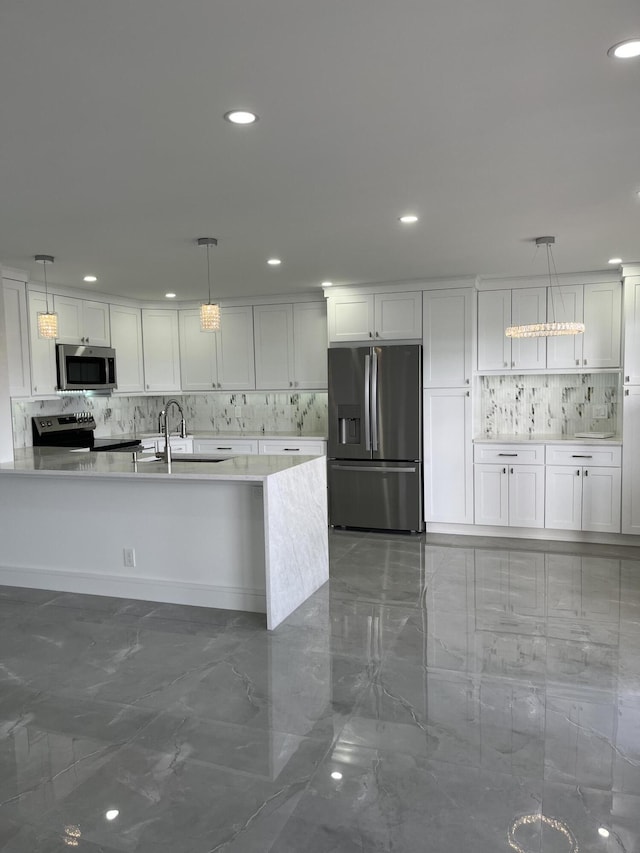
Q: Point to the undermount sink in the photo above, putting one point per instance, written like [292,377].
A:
[193,457]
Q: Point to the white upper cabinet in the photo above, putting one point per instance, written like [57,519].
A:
[632,330]
[494,315]
[528,305]
[198,353]
[17,335]
[82,321]
[565,305]
[126,339]
[602,320]
[161,350]
[447,337]
[291,345]
[380,316]
[236,369]
[43,350]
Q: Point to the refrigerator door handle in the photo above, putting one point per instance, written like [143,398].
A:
[367,392]
[374,400]
[374,468]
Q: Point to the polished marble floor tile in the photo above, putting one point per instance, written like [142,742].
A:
[438,694]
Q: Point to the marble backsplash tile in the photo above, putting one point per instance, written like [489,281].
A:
[550,404]
[302,413]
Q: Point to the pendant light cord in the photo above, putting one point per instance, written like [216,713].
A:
[208,274]
[46,292]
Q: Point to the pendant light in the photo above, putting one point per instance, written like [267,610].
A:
[47,320]
[543,330]
[209,312]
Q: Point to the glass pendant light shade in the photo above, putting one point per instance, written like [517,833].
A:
[209,317]
[47,320]
[209,311]
[553,328]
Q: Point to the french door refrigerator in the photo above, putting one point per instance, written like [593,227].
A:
[375,437]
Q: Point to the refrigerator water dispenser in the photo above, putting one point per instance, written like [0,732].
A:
[349,425]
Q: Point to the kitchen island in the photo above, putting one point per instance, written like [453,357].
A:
[241,533]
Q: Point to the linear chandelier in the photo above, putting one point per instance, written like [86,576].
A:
[544,330]
[209,311]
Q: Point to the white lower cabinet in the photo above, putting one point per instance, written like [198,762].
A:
[631,452]
[583,488]
[292,447]
[237,446]
[509,485]
[448,456]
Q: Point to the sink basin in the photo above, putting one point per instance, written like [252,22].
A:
[194,457]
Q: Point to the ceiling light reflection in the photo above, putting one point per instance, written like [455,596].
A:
[337,775]
[112,814]
[603,831]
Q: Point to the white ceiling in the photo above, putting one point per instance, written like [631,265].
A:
[496,121]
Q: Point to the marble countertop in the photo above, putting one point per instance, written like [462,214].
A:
[286,435]
[544,439]
[54,461]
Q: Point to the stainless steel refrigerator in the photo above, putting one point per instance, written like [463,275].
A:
[375,437]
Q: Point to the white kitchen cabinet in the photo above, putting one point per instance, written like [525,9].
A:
[631,459]
[292,447]
[379,316]
[632,330]
[290,345]
[235,353]
[17,336]
[565,304]
[310,345]
[447,317]
[583,488]
[602,320]
[126,339]
[236,446]
[43,350]
[498,309]
[198,353]
[448,456]
[176,443]
[509,485]
[82,321]
[161,350]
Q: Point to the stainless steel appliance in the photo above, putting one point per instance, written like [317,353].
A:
[75,431]
[86,368]
[375,437]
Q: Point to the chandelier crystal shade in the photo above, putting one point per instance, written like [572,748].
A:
[47,320]
[209,311]
[553,328]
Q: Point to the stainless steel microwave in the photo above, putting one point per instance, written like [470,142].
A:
[85,368]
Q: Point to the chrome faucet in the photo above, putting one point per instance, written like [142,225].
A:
[163,425]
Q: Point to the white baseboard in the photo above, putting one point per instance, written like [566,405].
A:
[145,589]
[534,533]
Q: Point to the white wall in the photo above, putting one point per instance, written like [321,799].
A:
[6,433]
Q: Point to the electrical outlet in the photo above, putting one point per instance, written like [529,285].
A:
[600,412]
[238,412]
[129,557]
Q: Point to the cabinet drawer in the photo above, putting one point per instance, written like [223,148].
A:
[246,446]
[608,456]
[510,454]
[292,447]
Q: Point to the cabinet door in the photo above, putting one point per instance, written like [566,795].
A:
[81,321]
[95,323]
[292,447]
[310,345]
[447,337]
[448,456]
[602,319]
[126,338]
[222,445]
[526,496]
[563,497]
[631,461]
[69,311]
[350,318]
[494,315]
[235,349]
[43,350]
[528,305]
[198,353]
[398,316]
[491,488]
[17,335]
[273,339]
[161,349]
[601,495]
[632,330]
[565,304]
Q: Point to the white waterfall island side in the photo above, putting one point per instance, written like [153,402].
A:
[247,533]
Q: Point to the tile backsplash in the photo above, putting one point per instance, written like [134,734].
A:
[550,404]
[251,412]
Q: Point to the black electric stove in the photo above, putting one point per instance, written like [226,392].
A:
[74,431]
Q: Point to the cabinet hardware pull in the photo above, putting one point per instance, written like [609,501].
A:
[504,470]
[586,472]
[626,378]
[466,381]
[223,448]
[578,473]
[626,392]
[507,454]
[511,471]
[291,448]
[377,334]
[506,364]
[468,393]
[577,362]
[290,384]
[370,335]
[581,456]
[584,361]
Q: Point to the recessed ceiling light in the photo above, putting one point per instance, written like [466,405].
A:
[615,260]
[112,814]
[408,219]
[90,278]
[327,284]
[628,49]
[170,295]
[603,831]
[274,262]
[241,117]
[337,775]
